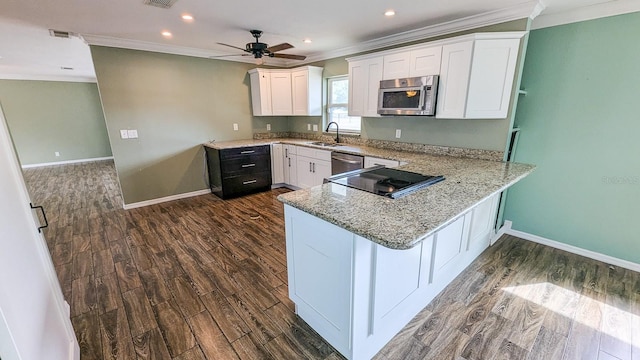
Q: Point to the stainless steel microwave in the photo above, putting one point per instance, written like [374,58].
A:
[409,96]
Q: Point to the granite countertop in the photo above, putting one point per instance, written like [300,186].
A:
[401,223]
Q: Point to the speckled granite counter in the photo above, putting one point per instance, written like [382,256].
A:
[401,223]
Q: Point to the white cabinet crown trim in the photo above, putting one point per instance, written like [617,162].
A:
[470,37]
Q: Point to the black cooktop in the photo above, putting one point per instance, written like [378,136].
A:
[383,181]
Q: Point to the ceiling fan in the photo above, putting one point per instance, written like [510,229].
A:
[258,49]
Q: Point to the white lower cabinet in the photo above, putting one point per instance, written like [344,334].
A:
[313,166]
[289,164]
[312,172]
[277,164]
[358,294]
[372,161]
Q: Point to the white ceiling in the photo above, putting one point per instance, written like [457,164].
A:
[27,50]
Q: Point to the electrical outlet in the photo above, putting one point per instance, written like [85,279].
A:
[57,153]
[268,127]
[235,127]
[133,134]
[124,134]
[398,133]
[315,127]
[308,126]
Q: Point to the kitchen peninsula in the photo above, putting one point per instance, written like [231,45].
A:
[361,266]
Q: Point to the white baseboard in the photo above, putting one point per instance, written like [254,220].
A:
[572,249]
[165,199]
[67,162]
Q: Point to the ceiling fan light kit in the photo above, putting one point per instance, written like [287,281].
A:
[259,49]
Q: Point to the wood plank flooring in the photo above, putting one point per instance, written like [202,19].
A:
[202,278]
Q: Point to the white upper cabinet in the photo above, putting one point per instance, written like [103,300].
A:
[454,80]
[261,92]
[396,66]
[364,82]
[306,85]
[286,91]
[281,103]
[423,62]
[476,74]
[418,62]
[476,79]
[492,75]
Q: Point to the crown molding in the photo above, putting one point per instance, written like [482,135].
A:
[49,77]
[529,9]
[584,13]
[108,41]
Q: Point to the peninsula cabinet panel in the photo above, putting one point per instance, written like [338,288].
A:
[358,294]
[321,255]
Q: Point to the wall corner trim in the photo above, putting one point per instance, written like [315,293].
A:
[67,162]
[165,199]
[574,249]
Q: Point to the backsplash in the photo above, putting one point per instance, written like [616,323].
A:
[492,155]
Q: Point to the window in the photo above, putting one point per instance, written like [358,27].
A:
[338,105]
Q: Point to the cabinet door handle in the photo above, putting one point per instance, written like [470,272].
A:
[249,182]
[314,167]
[247,152]
[310,167]
[289,162]
[286,153]
[248,165]
[46,222]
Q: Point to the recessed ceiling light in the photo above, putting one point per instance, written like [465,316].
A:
[307,41]
[167,34]
[389,12]
[187,17]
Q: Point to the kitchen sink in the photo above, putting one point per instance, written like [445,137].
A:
[320,143]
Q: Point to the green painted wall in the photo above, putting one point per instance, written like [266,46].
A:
[47,116]
[176,103]
[580,127]
[476,134]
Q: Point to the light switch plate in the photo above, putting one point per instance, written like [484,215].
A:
[235,127]
[124,134]
[57,153]
[133,134]
[268,127]
[315,127]
[398,133]
[308,126]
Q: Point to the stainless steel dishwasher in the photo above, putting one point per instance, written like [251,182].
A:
[345,162]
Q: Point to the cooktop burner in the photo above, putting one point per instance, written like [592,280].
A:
[383,181]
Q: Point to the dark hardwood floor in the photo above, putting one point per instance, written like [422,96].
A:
[202,278]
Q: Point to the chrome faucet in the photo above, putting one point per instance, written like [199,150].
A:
[337,130]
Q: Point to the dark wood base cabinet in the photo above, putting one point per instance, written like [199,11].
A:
[239,171]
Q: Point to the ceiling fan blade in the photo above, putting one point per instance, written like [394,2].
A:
[289,56]
[219,56]
[279,47]
[231,46]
